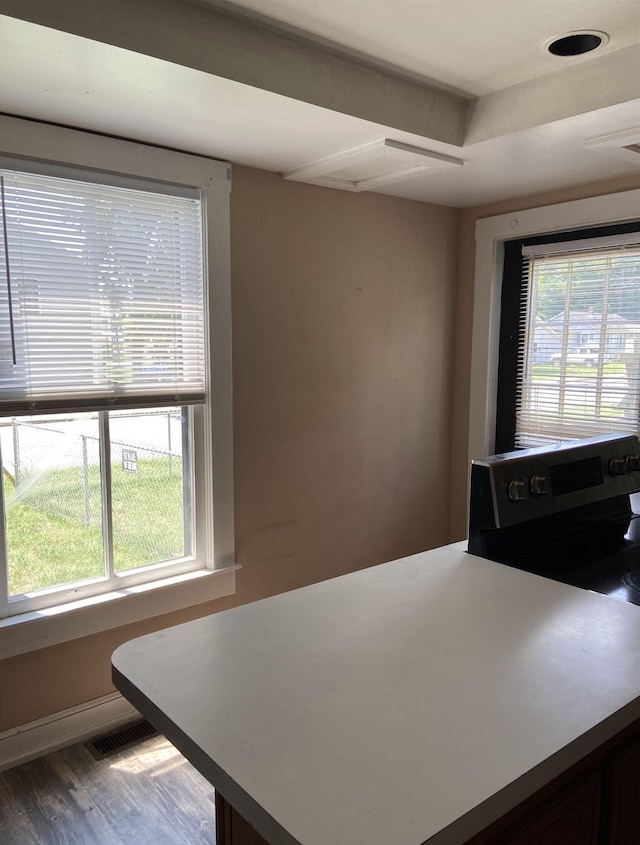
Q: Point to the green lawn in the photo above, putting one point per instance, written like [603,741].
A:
[606,412]
[554,371]
[55,534]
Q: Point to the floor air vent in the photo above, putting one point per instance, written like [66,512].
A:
[116,741]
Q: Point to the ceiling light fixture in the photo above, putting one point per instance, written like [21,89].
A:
[372,166]
[624,144]
[577,43]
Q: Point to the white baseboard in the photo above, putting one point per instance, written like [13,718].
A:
[77,724]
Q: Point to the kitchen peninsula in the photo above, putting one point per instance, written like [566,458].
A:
[424,700]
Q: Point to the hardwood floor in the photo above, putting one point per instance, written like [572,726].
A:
[147,795]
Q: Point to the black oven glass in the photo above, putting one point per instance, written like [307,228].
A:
[576,475]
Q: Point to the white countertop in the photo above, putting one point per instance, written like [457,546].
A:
[414,701]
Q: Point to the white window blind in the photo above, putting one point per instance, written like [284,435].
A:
[579,351]
[101,295]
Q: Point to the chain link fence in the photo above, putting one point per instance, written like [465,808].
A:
[55,469]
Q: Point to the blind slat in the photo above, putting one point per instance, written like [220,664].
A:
[106,294]
[578,368]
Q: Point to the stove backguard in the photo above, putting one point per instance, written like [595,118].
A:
[555,510]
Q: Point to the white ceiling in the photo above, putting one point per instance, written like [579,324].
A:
[475,46]
[268,87]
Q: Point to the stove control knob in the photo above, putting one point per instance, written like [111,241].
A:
[634,463]
[538,485]
[619,466]
[516,490]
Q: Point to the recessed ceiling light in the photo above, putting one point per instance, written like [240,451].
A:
[576,43]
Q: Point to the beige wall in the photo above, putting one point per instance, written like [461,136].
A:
[343,321]
[460,421]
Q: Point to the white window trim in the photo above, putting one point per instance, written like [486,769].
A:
[51,626]
[45,142]
[491,233]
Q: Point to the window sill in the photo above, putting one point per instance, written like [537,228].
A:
[42,628]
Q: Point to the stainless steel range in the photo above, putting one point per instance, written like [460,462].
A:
[563,512]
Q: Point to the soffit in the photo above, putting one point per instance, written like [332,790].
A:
[261,93]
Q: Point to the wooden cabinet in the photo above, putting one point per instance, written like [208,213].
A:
[232,828]
[597,802]
[623,810]
[571,818]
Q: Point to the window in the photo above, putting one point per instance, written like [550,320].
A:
[114,394]
[570,338]
[610,214]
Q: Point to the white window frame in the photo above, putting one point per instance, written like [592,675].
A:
[491,234]
[212,423]
[542,415]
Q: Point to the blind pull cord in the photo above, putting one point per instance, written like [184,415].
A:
[6,261]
